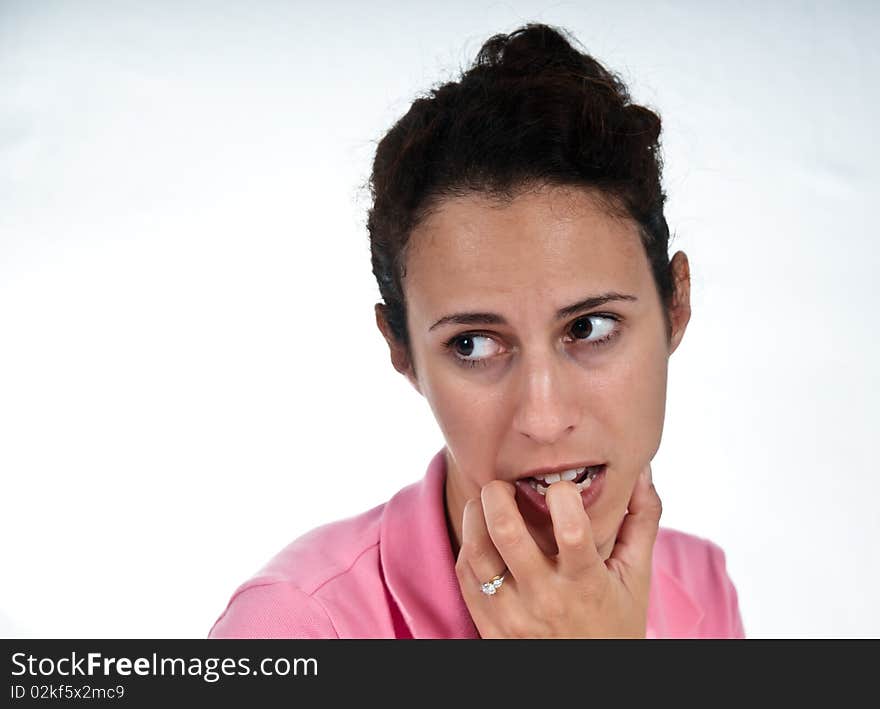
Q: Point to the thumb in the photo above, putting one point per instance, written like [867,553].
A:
[634,548]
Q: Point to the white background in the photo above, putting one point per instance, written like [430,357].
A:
[190,371]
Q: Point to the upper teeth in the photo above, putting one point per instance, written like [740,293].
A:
[556,477]
[542,482]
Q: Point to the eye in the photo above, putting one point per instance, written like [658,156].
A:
[465,345]
[583,328]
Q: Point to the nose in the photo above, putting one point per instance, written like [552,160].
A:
[547,409]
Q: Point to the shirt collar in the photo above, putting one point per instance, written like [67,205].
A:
[419,568]
[416,556]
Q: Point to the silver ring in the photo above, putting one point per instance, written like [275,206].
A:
[491,587]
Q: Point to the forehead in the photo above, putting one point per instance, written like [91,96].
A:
[558,241]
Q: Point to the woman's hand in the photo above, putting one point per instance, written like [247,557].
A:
[573,595]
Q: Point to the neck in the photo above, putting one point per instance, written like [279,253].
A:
[454,500]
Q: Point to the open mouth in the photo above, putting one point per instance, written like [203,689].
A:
[581,477]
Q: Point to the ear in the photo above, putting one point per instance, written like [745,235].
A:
[680,314]
[399,357]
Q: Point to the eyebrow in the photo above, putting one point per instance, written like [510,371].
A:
[495,319]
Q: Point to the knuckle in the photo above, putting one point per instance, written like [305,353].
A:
[658,505]
[507,531]
[572,535]
[471,550]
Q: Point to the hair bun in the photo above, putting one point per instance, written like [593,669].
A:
[531,49]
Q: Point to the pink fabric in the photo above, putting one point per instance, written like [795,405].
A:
[389,573]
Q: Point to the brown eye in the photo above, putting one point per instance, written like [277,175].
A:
[464,346]
[605,329]
[582,328]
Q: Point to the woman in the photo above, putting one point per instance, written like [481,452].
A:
[518,240]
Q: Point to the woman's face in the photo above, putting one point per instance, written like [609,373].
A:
[524,387]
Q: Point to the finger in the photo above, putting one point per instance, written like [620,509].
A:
[573,530]
[507,529]
[635,540]
[485,611]
[477,546]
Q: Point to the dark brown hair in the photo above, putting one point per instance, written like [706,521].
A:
[531,110]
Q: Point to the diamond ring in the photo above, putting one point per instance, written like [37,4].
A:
[491,587]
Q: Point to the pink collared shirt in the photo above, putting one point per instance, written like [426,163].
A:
[389,573]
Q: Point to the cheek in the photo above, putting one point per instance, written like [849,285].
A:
[635,401]
[651,393]
[470,421]
[636,396]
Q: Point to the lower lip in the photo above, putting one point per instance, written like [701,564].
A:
[537,500]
